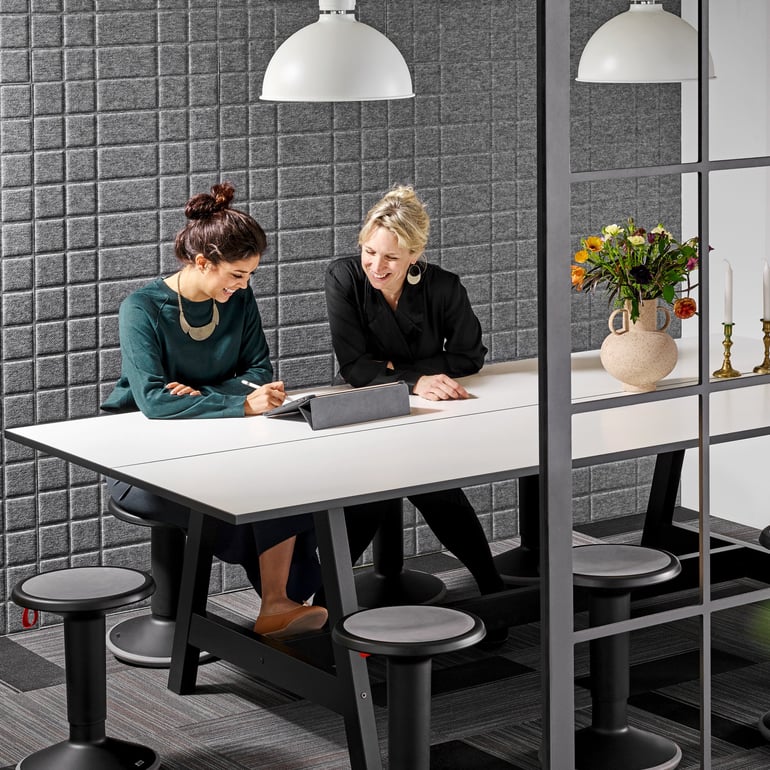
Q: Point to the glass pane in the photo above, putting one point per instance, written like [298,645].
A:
[740,233]
[739,95]
[599,257]
[740,660]
[655,694]
[618,125]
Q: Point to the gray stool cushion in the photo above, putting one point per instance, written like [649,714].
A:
[622,567]
[409,630]
[83,589]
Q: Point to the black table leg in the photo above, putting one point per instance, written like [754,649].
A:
[520,565]
[658,521]
[193,596]
[388,583]
[355,694]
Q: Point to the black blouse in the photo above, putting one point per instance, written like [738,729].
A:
[432,331]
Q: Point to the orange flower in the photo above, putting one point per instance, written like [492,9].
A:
[581,256]
[594,243]
[685,307]
[578,274]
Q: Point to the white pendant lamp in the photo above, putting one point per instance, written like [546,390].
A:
[643,45]
[336,59]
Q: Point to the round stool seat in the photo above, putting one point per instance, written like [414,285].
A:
[622,567]
[119,512]
[83,589]
[409,630]
[764,537]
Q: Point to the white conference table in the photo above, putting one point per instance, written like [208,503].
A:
[243,470]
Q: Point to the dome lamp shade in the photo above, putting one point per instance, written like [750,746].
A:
[643,45]
[336,59]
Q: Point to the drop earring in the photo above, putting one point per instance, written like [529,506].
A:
[414,274]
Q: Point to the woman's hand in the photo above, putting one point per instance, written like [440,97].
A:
[178,389]
[265,398]
[439,387]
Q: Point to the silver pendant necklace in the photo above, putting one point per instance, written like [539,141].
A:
[197,333]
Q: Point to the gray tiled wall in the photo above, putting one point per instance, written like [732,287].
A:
[113,113]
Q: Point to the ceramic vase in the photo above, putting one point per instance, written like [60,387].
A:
[640,353]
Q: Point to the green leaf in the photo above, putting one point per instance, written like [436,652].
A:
[668,293]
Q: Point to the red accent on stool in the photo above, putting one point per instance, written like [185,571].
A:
[25,621]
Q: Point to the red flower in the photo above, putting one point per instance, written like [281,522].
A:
[685,307]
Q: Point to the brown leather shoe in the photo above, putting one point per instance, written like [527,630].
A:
[300,620]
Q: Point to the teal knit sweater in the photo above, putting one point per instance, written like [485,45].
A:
[155,351]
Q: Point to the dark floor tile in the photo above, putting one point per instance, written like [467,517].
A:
[676,711]
[664,672]
[24,670]
[456,755]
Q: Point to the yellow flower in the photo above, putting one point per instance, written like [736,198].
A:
[581,256]
[611,230]
[594,243]
[578,274]
[636,240]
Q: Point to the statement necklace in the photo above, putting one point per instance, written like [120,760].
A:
[198,333]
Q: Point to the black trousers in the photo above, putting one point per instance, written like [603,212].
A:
[239,544]
[451,517]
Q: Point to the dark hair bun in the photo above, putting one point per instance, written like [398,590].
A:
[205,205]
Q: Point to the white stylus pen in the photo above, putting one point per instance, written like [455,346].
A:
[257,387]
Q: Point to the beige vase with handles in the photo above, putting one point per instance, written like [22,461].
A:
[639,354]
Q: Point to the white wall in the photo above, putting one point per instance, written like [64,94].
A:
[739,229]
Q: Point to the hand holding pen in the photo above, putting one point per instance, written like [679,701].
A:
[264,397]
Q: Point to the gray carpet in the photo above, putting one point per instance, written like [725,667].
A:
[485,710]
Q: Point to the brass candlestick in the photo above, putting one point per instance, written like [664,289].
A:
[764,367]
[727,370]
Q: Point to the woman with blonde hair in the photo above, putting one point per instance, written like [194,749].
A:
[395,317]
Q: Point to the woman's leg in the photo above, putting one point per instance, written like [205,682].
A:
[274,565]
[454,522]
[279,616]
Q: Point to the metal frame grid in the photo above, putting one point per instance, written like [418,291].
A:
[555,179]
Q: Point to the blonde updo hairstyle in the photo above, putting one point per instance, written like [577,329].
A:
[220,233]
[402,213]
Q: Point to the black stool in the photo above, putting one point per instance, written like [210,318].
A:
[81,596]
[408,636]
[610,572]
[147,640]
[388,582]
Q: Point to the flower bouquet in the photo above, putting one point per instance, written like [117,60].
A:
[636,265]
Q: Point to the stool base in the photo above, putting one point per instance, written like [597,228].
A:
[630,749]
[519,566]
[406,587]
[109,754]
[764,725]
[145,641]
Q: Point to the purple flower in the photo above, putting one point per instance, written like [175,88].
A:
[640,274]
[692,263]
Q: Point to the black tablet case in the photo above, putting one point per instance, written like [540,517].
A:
[346,407]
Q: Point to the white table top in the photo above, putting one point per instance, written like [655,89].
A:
[241,469]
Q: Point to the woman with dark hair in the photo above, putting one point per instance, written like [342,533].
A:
[395,317]
[187,343]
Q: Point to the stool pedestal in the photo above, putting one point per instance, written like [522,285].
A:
[147,640]
[82,596]
[389,583]
[610,572]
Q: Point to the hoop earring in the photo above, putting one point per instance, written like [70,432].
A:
[414,274]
